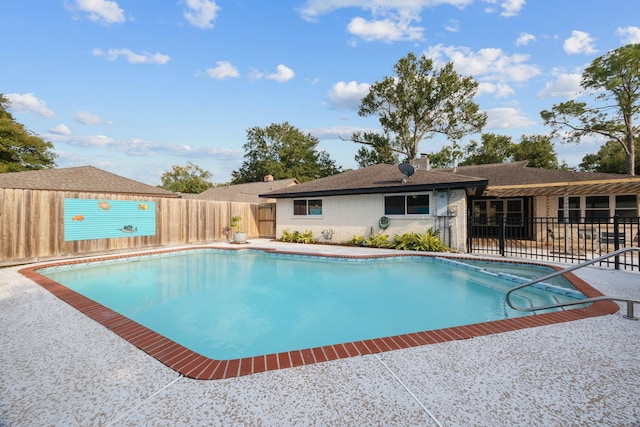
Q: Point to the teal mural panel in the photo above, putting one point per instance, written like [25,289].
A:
[87,219]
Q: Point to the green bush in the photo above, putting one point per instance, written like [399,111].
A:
[356,240]
[428,242]
[297,237]
[378,241]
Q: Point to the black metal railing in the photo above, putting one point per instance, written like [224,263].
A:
[577,240]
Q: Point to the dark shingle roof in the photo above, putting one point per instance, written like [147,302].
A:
[516,179]
[85,179]
[248,193]
[517,173]
[378,179]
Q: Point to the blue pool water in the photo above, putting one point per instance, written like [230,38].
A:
[236,304]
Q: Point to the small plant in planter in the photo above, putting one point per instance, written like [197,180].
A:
[238,235]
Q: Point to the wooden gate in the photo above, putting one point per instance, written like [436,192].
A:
[267,220]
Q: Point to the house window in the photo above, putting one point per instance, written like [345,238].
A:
[486,212]
[573,209]
[307,207]
[408,204]
[626,206]
[597,208]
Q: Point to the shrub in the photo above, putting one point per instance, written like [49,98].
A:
[378,241]
[356,240]
[297,237]
[428,242]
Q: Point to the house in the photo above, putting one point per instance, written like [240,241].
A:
[81,179]
[376,199]
[362,202]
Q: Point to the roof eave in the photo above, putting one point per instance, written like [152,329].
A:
[379,190]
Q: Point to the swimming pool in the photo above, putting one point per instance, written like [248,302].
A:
[255,304]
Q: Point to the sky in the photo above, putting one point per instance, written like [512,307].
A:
[136,87]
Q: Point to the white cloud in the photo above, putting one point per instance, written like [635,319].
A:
[630,34]
[509,7]
[223,70]
[453,26]
[135,147]
[132,57]
[201,13]
[28,103]
[282,74]
[87,118]
[579,42]
[524,39]
[315,8]
[499,90]
[566,85]
[61,129]
[388,30]
[488,64]
[504,118]
[100,11]
[347,96]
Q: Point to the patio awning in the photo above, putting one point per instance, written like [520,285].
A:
[629,185]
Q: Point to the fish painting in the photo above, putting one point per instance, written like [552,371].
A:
[77,218]
[104,205]
[129,229]
[143,206]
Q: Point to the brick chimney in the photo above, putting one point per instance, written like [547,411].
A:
[421,163]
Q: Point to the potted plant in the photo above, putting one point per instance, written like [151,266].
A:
[238,235]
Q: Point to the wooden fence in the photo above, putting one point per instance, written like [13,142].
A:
[32,224]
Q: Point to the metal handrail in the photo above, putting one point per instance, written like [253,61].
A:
[629,301]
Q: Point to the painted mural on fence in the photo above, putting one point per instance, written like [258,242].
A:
[86,219]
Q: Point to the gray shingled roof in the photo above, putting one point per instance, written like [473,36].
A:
[378,179]
[85,179]
[517,173]
[516,179]
[248,193]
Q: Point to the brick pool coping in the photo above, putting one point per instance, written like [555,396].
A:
[193,365]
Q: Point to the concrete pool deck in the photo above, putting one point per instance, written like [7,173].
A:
[58,367]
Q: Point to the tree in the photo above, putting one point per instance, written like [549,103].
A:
[609,159]
[380,151]
[492,149]
[421,102]
[537,150]
[283,151]
[615,80]
[448,157]
[186,179]
[20,149]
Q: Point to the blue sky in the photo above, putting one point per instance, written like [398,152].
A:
[134,87]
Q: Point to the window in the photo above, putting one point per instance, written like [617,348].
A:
[573,209]
[307,207]
[486,212]
[598,208]
[626,206]
[409,204]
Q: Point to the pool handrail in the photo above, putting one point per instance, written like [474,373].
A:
[629,301]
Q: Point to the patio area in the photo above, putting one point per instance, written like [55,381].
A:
[60,368]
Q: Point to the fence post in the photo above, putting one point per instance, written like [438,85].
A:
[616,240]
[470,234]
[501,233]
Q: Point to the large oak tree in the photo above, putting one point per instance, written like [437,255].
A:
[421,101]
[283,151]
[614,80]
